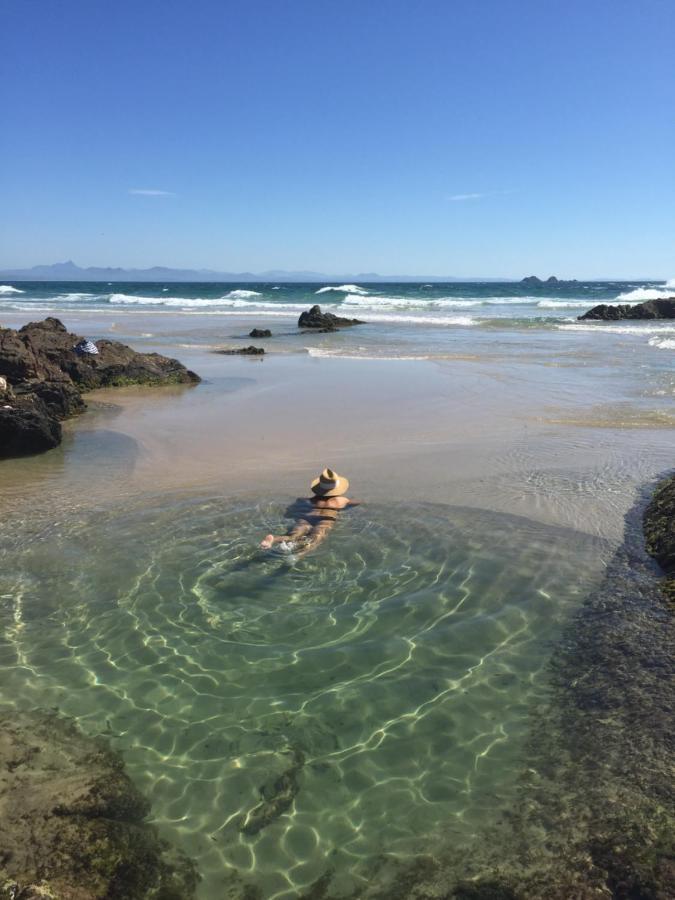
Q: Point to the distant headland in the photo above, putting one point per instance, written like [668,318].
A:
[70,271]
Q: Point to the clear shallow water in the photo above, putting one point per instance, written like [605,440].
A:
[382,686]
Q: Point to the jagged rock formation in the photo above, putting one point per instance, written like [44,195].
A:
[314,318]
[260,333]
[650,309]
[44,379]
[72,824]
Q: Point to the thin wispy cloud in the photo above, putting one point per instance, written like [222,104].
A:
[149,192]
[478,195]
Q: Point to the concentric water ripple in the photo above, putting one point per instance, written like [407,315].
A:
[287,720]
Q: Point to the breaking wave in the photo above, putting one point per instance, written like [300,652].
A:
[8,289]
[241,295]
[231,300]
[345,288]
[640,295]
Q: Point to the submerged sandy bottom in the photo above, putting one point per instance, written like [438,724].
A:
[386,682]
[388,679]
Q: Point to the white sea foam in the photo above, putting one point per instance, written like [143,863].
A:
[73,297]
[381,303]
[562,304]
[345,288]
[325,353]
[423,320]
[214,303]
[662,343]
[8,289]
[670,283]
[640,295]
[604,328]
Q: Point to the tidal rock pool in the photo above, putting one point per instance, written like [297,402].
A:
[294,725]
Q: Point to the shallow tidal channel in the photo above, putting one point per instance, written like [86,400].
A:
[370,702]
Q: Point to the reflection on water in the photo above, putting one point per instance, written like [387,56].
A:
[284,720]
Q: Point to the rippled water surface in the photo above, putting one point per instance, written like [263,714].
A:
[287,719]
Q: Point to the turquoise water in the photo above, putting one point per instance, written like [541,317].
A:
[289,719]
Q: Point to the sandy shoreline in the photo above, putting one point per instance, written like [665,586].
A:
[553,444]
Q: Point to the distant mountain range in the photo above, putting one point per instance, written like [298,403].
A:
[69,271]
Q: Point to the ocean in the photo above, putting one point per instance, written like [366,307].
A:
[409,319]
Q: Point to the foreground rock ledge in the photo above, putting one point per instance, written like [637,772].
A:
[72,822]
[42,380]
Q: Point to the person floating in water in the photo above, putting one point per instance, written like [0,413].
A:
[315,516]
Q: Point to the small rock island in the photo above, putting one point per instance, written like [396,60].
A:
[315,319]
[535,281]
[43,377]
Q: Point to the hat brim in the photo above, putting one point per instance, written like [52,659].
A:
[341,487]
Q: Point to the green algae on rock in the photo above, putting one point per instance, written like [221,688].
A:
[72,824]
[659,526]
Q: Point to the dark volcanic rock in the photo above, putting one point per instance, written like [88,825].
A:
[72,824]
[114,364]
[659,527]
[242,351]
[260,333]
[46,377]
[650,309]
[27,428]
[314,318]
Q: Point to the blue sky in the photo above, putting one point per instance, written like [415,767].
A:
[486,137]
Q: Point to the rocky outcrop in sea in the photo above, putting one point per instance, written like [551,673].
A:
[43,377]
[72,823]
[535,281]
[314,318]
[650,309]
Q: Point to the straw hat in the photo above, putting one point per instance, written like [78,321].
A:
[330,484]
